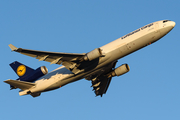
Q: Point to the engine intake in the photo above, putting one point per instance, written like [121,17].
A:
[94,54]
[44,70]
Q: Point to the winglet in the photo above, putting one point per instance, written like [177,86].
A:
[13,48]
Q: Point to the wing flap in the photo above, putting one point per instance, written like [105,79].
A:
[100,85]
[20,84]
[69,59]
[101,82]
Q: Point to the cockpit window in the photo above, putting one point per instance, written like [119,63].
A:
[165,21]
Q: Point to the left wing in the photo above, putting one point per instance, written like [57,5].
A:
[69,60]
[100,85]
[101,82]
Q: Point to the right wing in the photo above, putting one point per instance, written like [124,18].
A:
[20,84]
[70,60]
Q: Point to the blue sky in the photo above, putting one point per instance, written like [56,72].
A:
[150,91]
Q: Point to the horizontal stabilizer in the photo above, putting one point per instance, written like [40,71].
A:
[20,84]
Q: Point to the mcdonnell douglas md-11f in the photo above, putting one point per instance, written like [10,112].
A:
[98,65]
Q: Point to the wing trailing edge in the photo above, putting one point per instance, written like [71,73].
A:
[69,60]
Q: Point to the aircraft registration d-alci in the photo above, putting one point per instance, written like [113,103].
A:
[97,66]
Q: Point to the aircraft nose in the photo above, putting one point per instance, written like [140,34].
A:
[173,23]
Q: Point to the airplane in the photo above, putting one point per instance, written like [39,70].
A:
[97,66]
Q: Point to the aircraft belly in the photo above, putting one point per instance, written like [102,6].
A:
[72,78]
[40,86]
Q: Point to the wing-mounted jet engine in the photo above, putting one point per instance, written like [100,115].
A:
[94,54]
[26,73]
[120,70]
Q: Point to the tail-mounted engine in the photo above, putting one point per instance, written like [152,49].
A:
[39,72]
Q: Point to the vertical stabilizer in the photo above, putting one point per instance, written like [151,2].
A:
[26,73]
[21,70]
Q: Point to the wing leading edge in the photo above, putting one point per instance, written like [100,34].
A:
[69,60]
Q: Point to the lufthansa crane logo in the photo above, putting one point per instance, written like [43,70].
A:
[21,70]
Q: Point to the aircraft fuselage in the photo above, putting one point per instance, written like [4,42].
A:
[112,51]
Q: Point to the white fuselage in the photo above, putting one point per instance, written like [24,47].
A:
[112,52]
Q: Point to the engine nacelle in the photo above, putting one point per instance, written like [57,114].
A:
[94,54]
[120,70]
[39,72]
